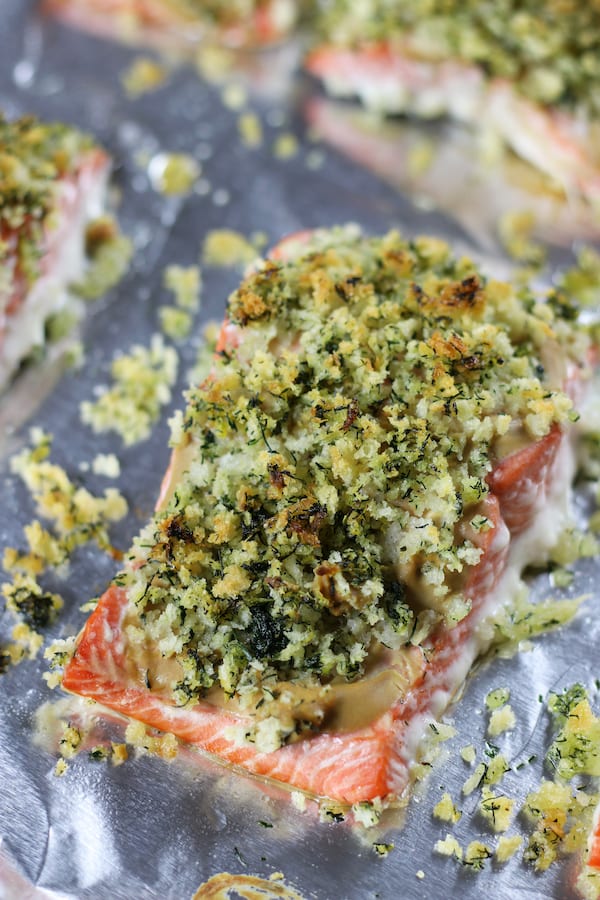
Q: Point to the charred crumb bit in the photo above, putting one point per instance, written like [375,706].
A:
[265,824]
[118,754]
[382,849]
[331,813]
[98,754]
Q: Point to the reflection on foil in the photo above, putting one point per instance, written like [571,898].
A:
[447,166]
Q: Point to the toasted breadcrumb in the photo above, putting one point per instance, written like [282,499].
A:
[446,810]
[173,173]
[226,247]
[507,847]
[449,847]
[250,130]
[501,720]
[143,75]
[186,284]
[142,381]
[106,464]
[285,146]
[468,754]
[496,809]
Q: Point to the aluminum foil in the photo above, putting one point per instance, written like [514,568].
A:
[149,828]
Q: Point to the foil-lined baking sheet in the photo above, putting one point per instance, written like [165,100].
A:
[152,829]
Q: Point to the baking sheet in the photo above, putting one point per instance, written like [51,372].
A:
[154,829]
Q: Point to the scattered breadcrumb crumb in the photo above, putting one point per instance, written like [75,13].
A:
[298,800]
[382,849]
[507,847]
[186,283]
[173,173]
[143,75]
[285,146]
[496,809]
[250,130]
[449,847]
[175,324]
[106,464]
[496,698]
[367,812]
[501,720]
[109,253]
[420,158]
[515,230]
[142,382]
[60,768]
[420,874]
[119,754]
[214,62]
[476,855]
[234,96]
[446,810]
[226,247]
[468,754]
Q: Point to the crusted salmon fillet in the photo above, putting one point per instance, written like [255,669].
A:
[519,70]
[180,22]
[350,501]
[52,185]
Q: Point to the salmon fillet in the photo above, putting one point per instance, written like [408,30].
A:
[52,184]
[392,78]
[354,738]
[178,23]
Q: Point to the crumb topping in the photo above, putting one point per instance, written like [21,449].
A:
[549,52]
[33,159]
[334,462]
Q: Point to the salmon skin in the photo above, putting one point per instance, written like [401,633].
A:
[348,737]
[179,23]
[62,175]
[391,78]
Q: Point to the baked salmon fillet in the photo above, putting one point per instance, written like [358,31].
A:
[53,184]
[380,448]
[527,72]
[179,22]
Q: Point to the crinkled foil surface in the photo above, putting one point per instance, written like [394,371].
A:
[152,829]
